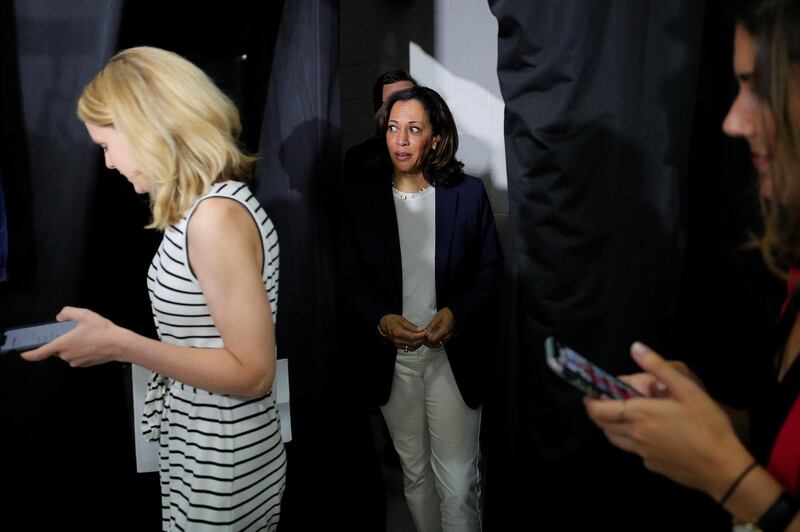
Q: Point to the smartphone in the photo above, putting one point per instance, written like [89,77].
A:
[584,375]
[33,336]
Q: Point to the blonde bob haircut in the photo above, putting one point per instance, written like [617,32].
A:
[182,129]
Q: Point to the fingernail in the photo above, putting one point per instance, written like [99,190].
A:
[638,350]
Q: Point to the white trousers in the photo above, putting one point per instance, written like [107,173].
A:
[436,436]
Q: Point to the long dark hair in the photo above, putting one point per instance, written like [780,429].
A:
[440,166]
[775,24]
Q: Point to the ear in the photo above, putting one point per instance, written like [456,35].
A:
[435,143]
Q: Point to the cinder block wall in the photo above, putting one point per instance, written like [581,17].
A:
[375,37]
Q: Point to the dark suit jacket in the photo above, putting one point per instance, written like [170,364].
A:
[362,162]
[468,268]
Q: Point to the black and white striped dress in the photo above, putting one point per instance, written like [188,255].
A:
[222,462]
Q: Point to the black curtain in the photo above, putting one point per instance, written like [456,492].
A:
[298,182]
[62,436]
[51,50]
[599,106]
[3,230]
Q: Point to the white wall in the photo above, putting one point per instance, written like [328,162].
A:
[448,45]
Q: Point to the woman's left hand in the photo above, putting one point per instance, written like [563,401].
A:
[93,340]
[440,329]
[683,435]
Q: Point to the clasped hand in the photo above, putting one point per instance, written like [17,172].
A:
[91,342]
[409,336]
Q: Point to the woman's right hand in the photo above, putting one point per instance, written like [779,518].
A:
[684,435]
[94,340]
[647,385]
[401,332]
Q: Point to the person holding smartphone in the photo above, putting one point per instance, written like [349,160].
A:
[678,429]
[164,125]
[419,282]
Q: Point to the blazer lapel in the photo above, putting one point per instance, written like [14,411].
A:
[446,206]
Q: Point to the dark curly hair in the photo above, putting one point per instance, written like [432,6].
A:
[440,166]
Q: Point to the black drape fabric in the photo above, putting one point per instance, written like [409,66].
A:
[3,231]
[61,428]
[297,181]
[599,99]
[59,47]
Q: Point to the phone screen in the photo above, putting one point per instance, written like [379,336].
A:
[32,336]
[584,375]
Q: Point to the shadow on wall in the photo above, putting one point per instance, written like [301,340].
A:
[465,36]
[479,117]
[300,193]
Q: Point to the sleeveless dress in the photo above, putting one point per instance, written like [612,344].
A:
[222,464]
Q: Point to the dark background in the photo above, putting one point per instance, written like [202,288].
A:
[76,237]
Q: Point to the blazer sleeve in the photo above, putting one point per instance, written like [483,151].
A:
[477,301]
[355,296]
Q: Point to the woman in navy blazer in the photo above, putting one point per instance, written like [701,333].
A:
[419,284]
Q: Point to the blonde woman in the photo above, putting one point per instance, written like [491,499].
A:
[164,125]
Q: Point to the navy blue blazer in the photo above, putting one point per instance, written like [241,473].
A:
[468,269]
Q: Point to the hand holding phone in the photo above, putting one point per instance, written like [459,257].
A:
[32,336]
[584,375]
